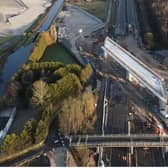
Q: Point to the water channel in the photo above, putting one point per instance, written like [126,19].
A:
[20,56]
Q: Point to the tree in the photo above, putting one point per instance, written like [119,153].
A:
[44,40]
[12,92]
[27,77]
[47,114]
[10,144]
[77,114]
[26,136]
[86,73]
[41,131]
[41,94]
[84,157]
[61,72]
[74,68]
[68,85]
[149,39]
[71,116]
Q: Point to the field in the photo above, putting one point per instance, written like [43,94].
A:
[57,52]
[5,39]
[97,7]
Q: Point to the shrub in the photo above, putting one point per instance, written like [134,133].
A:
[41,131]
[68,85]
[10,144]
[44,40]
[86,73]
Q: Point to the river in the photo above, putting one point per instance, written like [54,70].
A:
[20,56]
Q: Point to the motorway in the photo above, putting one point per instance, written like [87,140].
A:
[126,14]
[132,14]
[121,18]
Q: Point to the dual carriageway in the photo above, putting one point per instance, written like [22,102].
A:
[126,16]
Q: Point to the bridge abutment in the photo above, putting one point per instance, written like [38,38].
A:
[163,108]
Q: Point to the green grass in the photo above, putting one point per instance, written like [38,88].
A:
[57,52]
[97,7]
[8,39]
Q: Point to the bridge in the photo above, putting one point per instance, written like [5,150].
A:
[149,78]
[119,140]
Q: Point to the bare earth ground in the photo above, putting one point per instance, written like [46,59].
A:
[16,17]
[131,44]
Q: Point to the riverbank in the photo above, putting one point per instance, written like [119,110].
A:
[22,53]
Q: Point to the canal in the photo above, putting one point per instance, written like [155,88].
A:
[20,56]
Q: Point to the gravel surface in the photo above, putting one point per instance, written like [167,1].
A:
[17,16]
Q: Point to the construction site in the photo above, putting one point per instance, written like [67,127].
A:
[132,108]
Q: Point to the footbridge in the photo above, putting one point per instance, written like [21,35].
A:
[150,79]
[117,140]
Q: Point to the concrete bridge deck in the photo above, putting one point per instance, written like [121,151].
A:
[142,72]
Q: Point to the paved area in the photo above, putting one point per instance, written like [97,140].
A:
[126,15]
[132,17]
[72,20]
[58,157]
[121,18]
[10,3]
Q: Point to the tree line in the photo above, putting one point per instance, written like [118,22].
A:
[55,90]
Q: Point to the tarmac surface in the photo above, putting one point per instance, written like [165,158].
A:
[76,23]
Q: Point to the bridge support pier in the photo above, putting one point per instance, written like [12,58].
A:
[131,78]
[105,55]
[132,150]
[163,108]
[166,149]
[163,155]
[130,153]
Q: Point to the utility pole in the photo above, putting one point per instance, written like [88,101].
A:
[129,133]
[100,160]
